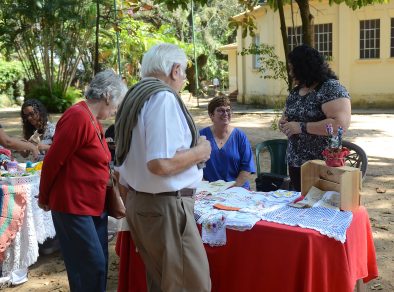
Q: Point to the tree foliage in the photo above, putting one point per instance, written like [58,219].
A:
[247,22]
[271,67]
[210,28]
[49,37]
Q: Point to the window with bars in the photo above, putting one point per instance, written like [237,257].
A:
[256,58]
[294,36]
[323,39]
[322,35]
[392,38]
[370,39]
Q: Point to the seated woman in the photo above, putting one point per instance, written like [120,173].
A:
[231,157]
[35,123]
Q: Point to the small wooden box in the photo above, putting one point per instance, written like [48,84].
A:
[344,180]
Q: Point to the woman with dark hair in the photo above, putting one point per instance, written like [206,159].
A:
[231,156]
[316,100]
[35,124]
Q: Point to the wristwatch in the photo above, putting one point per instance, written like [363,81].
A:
[303,128]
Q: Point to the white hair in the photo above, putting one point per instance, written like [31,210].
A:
[161,58]
[106,83]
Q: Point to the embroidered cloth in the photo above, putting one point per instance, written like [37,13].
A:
[269,206]
[252,206]
[36,227]
[12,208]
[330,222]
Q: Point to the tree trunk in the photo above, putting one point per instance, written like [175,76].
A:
[96,47]
[284,40]
[307,22]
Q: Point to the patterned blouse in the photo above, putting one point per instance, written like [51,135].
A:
[47,137]
[308,108]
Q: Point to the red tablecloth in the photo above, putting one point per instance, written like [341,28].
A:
[275,257]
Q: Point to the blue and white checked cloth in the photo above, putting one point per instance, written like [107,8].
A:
[332,223]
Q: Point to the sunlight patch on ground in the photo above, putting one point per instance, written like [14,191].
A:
[374,122]
[249,124]
[381,147]
[382,235]
[386,205]
[377,163]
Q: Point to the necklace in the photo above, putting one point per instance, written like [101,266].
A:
[221,141]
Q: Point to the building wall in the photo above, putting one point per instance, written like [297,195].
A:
[368,80]
[232,70]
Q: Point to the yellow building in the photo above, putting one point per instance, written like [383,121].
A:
[359,43]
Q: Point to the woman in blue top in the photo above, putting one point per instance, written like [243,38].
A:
[231,157]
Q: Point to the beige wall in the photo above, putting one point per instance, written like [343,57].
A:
[232,70]
[367,80]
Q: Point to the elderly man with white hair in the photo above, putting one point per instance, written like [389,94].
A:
[159,157]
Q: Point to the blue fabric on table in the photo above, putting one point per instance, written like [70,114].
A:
[226,163]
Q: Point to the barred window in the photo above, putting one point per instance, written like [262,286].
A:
[392,38]
[256,58]
[322,36]
[323,39]
[294,36]
[370,39]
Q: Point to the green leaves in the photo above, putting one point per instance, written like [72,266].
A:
[271,67]
[174,4]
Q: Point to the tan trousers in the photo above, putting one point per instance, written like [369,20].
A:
[165,232]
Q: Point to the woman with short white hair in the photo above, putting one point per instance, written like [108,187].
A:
[74,179]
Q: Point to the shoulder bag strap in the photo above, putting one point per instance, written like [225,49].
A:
[99,136]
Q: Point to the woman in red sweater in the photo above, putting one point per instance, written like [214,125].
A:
[74,179]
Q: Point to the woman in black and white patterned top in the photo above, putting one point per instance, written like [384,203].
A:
[316,100]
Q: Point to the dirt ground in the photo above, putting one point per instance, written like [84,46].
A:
[373,132]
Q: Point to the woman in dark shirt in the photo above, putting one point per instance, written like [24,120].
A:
[317,99]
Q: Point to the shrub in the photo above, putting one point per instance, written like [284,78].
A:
[11,79]
[57,102]
[5,101]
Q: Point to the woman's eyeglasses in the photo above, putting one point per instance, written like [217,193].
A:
[30,114]
[223,111]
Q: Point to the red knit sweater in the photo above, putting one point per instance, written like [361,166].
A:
[75,169]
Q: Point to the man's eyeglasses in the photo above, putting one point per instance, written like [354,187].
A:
[223,111]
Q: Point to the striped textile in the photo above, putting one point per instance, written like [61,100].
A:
[12,208]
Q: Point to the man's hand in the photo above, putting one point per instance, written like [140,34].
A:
[204,147]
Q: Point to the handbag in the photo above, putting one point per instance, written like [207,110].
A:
[113,200]
[267,182]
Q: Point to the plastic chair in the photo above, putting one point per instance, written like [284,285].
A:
[277,149]
[357,157]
